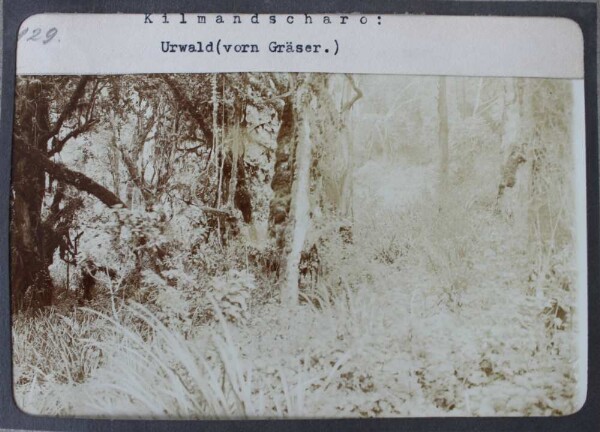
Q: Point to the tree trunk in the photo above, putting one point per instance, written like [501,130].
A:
[347,199]
[30,279]
[34,241]
[443,135]
[461,97]
[281,183]
[299,222]
[516,121]
[511,117]
[113,154]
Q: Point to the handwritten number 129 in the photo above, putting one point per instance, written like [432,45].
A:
[37,35]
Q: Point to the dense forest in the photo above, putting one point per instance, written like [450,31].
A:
[293,245]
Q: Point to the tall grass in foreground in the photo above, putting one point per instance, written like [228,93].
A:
[155,371]
[353,357]
[394,334]
[147,369]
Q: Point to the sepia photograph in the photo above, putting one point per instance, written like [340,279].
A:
[297,245]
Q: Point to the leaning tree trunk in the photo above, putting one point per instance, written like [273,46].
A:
[289,218]
[309,116]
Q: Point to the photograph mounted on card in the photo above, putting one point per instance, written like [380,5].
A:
[257,216]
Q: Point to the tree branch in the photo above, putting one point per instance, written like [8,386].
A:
[69,108]
[358,94]
[62,173]
[191,149]
[218,212]
[134,176]
[59,144]
[189,107]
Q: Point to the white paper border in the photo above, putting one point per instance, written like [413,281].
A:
[386,44]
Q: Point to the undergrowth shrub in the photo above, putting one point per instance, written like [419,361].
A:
[171,302]
[231,293]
